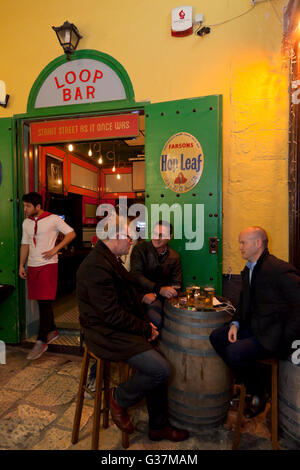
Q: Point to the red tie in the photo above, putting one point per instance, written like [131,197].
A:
[42,216]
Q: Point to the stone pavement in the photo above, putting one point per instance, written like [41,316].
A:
[37,404]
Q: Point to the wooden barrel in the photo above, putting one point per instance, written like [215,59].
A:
[289,400]
[199,387]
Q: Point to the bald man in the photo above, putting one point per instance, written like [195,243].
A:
[267,319]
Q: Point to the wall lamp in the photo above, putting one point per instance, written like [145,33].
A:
[3,96]
[68,36]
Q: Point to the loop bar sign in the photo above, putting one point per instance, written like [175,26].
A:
[80,81]
[181,162]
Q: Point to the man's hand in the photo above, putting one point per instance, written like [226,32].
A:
[149,298]
[155,333]
[168,292]
[22,272]
[232,334]
[49,254]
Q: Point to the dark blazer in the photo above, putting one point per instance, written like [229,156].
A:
[110,312]
[271,304]
[152,272]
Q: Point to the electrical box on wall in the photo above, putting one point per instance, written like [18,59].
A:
[182,21]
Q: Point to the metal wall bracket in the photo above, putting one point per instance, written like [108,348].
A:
[213,245]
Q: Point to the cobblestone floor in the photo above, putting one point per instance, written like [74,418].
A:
[37,403]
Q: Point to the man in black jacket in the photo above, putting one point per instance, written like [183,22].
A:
[156,267]
[267,319]
[116,328]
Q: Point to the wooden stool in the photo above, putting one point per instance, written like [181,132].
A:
[274,406]
[102,384]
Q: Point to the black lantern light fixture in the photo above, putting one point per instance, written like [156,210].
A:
[68,36]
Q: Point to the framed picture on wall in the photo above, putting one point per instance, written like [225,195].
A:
[54,172]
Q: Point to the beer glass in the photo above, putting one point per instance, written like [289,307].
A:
[199,298]
[189,295]
[209,297]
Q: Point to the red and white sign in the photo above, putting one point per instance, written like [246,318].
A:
[182,21]
[80,81]
[83,129]
[181,162]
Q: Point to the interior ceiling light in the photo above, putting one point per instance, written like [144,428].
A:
[118,176]
[97,152]
[70,147]
[90,154]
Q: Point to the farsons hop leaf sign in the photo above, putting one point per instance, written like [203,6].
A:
[181,162]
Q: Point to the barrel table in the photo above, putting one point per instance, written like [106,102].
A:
[289,399]
[200,384]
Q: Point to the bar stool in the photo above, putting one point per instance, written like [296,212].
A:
[102,385]
[274,406]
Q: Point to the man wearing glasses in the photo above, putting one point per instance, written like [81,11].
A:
[116,328]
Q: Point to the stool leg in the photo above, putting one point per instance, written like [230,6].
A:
[97,404]
[237,431]
[106,394]
[124,373]
[274,407]
[80,397]
[125,440]
[81,338]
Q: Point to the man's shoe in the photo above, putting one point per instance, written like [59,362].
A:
[52,336]
[119,415]
[256,406]
[170,433]
[38,349]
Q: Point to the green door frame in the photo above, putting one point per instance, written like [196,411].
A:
[68,111]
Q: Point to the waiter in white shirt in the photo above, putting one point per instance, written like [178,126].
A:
[40,231]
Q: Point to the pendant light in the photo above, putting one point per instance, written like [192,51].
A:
[114,167]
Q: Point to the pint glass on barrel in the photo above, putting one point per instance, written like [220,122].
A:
[189,296]
[209,297]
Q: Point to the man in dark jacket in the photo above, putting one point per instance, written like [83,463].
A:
[116,328]
[156,267]
[267,319]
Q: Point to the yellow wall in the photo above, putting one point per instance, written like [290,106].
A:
[239,59]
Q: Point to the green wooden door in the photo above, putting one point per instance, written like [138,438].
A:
[9,308]
[183,150]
